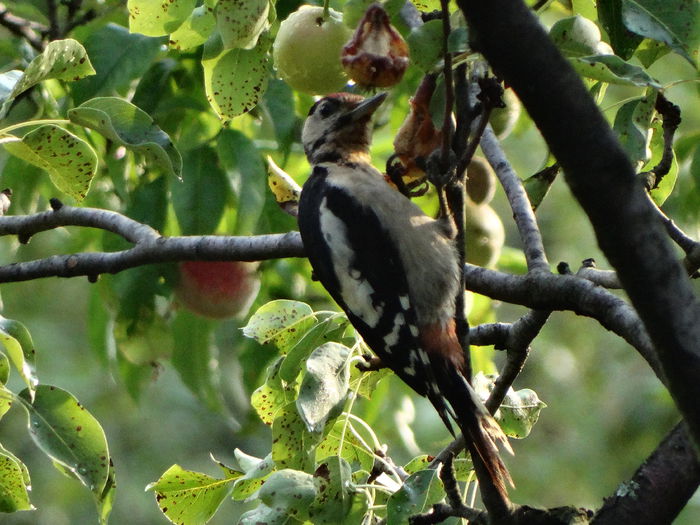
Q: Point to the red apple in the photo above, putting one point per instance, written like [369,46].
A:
[218,289]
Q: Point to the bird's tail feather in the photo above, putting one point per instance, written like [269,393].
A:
[477,425]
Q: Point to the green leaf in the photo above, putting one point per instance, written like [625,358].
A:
[416,495]
[612,69]
[425,44]
[340,441]
[623,41]
[62,59]
[273,395]
[317,335]
[291,491]
[633,128]
[668,182]
[247,175]
[325,385]
[18,343]
[236,79]
[66,432]
[155,86]
[4,369]
[158,18]
[292,443]
[537,186]
[519,412]
[195,30]
[127,125]
[676,23]
[14,483]
[240,22]
[334,497]
[577,36]
[427,5]
[278,104]
[463,467]
[254,477]
[193,356]
[269,516]
[70,161]
[200,198]
[7,397]
[649,51]
[105,500]
[118,58]
[190,498]
[281,322]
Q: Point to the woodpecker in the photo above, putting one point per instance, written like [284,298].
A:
[390,267]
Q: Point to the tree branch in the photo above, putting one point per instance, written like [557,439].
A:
[603,181]
[519,202]
[22,28]
[660,488]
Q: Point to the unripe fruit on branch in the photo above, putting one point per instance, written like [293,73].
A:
[307,50]
[377,55]
[503,120]
[481,181]
[217,289]
[484,234]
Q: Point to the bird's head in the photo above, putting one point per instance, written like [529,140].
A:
[338,128]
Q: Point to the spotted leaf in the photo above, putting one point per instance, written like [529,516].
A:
[240,22]
[235,79]
[70,161]
[17,341]
[153,18]
[292,443]
[195,30]
[189,497]
[14,483]
[69,435]
[62,59]
[282,323]
[129,126]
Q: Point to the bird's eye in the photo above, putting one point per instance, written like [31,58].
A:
[326,110]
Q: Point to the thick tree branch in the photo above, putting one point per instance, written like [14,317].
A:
[544,291]
[661,486]
[603,180]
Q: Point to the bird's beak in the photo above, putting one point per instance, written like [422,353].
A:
[367,106]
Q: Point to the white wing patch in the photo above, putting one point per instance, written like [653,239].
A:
[392,338]
[354,289]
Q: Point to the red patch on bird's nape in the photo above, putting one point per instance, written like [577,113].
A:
[346,97]
[440,342]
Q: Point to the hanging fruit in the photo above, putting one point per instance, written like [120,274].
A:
[377,55]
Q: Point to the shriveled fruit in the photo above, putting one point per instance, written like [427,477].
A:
[217,289]
[377,55]
[503,120]
[417,137]
[307,50]
[484,233]
[481,181]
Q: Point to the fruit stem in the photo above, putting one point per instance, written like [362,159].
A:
[326,8]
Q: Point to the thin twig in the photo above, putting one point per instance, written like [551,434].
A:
[449,87]
[671,115]
[23,28]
